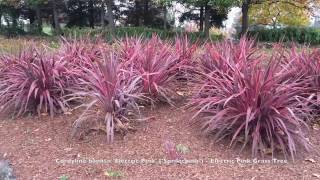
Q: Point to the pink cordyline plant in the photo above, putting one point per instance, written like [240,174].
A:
[238,97]
[112,93]
[34,81]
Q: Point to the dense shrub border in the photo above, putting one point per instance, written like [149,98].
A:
[288,34]
[122,32]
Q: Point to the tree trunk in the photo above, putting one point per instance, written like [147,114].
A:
[103,13]
[245,17]
[56,17]
[165,13]
[0,18]
[91,14]
[207,21]
[15,18]
[137,7]
[39,19]
[146,13]
[274,24]
[31,16]
[110,17]
[201,19]
[7,20]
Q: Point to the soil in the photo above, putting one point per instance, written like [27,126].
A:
[37,146]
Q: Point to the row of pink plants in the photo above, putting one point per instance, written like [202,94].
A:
[239,93]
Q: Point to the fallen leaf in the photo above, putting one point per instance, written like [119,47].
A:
[68,149]
[44,114]
[316,175]
[310,160]
[36,130]
[268,151]
[47,140]
[180,93]
[111,173]
[182,148]
[68,113]
[316,127]
[64,177]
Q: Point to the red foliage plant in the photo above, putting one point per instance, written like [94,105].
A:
[34,81]
[76,52]
[157,64]
[226,55]
[185,50]
[112,92]
[303,65]
[186,56]
[239,98]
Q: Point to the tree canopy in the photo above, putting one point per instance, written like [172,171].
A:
[279,13]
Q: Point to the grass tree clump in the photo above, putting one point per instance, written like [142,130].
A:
[186,52]
[129,48]
[34,81]
[111,94]
[157,64]
[305,66]
[185,49]
[249,103]
[77,52]
[223,57]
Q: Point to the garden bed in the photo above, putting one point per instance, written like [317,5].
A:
[33,149]
[85,109]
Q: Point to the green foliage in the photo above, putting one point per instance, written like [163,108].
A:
[279,13]
[164,2]
[63,177]
[136,32]
[34,3]
[113,174]
[299,35]
[11,31]
[214,3]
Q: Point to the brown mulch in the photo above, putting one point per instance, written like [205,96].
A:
[36,146]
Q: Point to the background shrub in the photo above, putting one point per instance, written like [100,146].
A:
[144,32]
[289,34]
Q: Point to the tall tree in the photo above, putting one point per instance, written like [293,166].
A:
[12,9]
[209,9]
[103,13]
[146,18]
[35,5]
[247,4]
[77,11]
[111,23]
[164,4]
[201,18]
[91,13]
[207,25]
[55,14]
[136,14]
